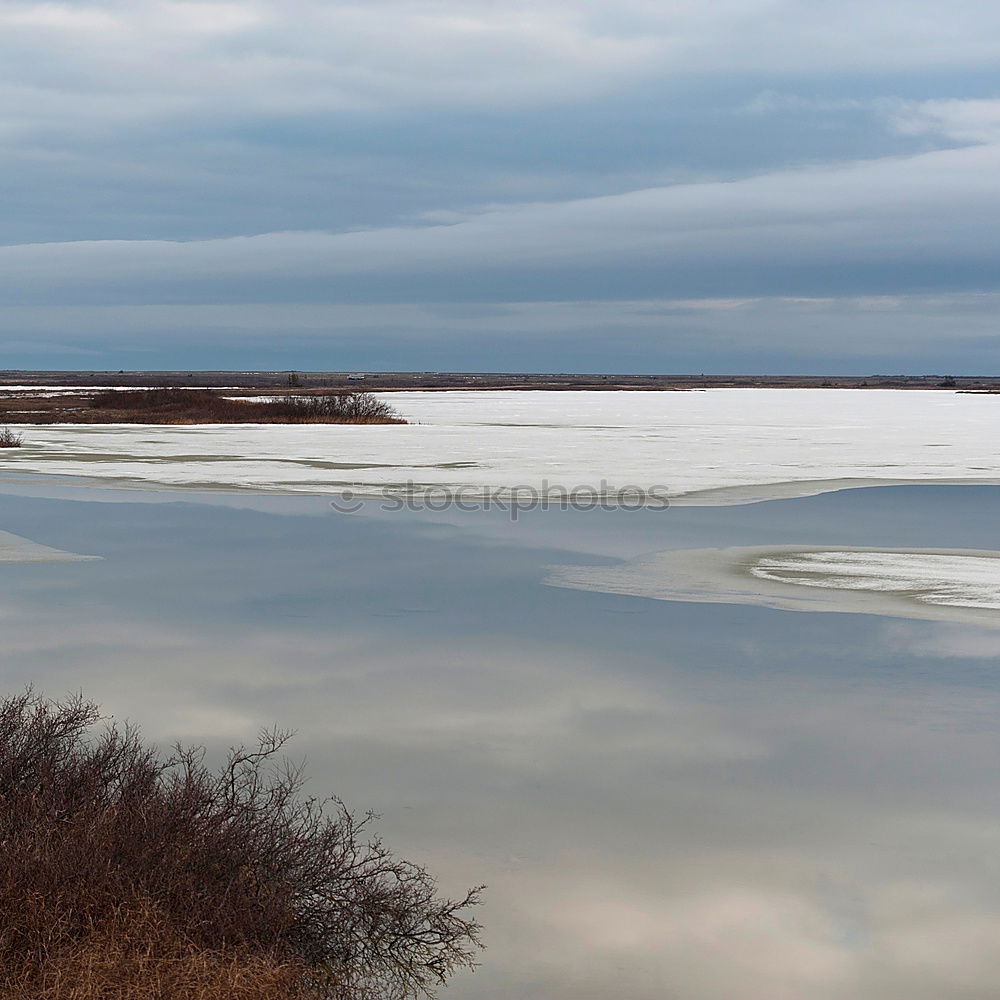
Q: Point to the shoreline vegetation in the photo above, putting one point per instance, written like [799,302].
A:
[128,874]
[193,406]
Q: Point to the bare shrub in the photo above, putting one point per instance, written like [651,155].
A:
[344,407]
[9,439]
[117,863]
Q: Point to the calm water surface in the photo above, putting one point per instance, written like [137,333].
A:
[666,800]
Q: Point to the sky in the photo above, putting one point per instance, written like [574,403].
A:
[645,186]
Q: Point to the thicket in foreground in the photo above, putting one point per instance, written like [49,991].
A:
[127,875]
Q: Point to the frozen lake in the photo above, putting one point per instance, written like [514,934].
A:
[671,786]
[719,446]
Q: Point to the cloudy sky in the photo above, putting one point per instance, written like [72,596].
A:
[562,185]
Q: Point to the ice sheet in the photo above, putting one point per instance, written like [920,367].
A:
[719,446]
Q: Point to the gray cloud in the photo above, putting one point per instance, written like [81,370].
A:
[312,154]
[929,206]
[838,334]
[118,60]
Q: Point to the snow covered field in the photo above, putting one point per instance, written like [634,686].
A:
[718,446]
[938,585]
[50,391]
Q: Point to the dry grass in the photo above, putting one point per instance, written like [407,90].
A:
[127,875]
[134,955]
[8,439]
[199,406]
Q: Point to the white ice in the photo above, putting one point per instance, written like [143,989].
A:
[954,580]
[719,446]
[14,548]
[50,391]
[932,584]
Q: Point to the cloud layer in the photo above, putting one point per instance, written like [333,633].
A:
[331,159]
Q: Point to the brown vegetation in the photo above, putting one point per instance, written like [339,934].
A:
[124,875]
[198,406]
[134,956]
[8,439]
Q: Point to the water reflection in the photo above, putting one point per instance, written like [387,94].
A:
[666,799]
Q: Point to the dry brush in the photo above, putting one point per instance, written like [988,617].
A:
[127,874]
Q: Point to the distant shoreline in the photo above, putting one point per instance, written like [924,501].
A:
[403,381]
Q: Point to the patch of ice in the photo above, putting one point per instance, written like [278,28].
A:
[934,584]
[14,548]
[960,581]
